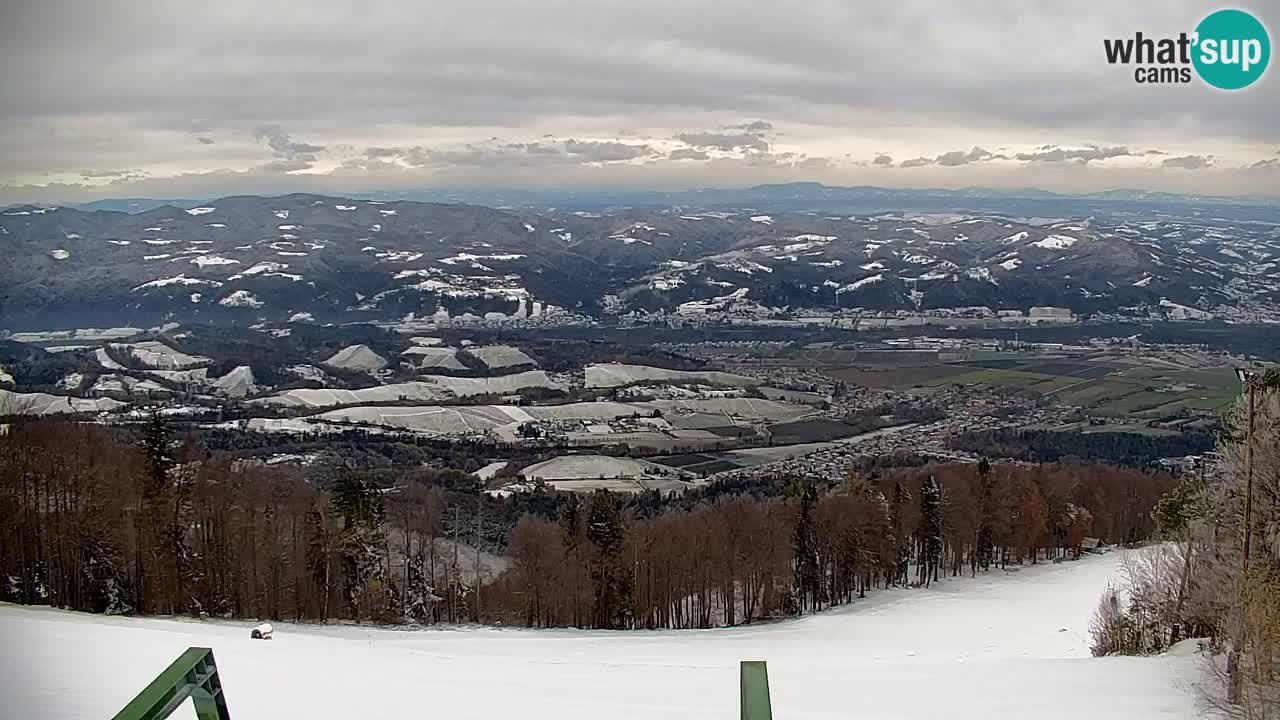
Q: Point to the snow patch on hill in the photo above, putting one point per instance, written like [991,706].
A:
[241,298]
[208,260]
[1056,242]
[237,383]
[179,280]
[357,357]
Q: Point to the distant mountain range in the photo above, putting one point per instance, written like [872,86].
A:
[310,258]
[799,197]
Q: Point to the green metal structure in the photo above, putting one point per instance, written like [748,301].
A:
[754,688]
[193,675]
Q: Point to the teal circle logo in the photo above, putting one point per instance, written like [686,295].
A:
[1232,49]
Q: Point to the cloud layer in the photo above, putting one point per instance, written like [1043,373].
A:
[174,98]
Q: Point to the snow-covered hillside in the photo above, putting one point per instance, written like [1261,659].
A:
[1006,647]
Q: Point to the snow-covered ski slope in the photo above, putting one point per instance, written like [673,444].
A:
[1005,647]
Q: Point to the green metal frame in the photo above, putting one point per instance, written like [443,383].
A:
[193,675]
[754,688]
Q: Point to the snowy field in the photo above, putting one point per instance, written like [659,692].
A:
[430,388]
[607,375]
[1004,647]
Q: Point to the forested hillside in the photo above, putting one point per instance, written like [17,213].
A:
[101,521]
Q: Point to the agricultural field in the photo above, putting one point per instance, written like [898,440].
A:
[429,389]
[496,357]
[1103,388]
[609,375]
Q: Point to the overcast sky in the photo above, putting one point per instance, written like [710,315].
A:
[113,98]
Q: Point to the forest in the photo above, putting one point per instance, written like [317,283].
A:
[152,523]
[1121,448]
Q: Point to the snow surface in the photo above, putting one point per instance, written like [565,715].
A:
[13,403]
[1056,242]
[207,260]
[241,298]
[200,210]
[237,383]
[589,467]
[606,375]
[158,356]
[1001,647]
[431,388]
[501,356]
[357,357]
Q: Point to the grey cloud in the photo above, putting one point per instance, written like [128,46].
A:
[205,140]
[1086,154]
[90,174]
[1155,152]
[1188,162]
[383,152]
[495,152]
[951,159]
[959,157]
[609,151]
[517,69]
[882,159]
[288,165]
[755,127]
[280,141]
[782,161]
[1266,164]
[687,154]
[727,142]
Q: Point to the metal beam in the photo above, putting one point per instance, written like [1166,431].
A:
[193,675]
[754,688]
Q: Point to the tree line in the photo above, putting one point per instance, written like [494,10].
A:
[153,523]
[1216,577]
[1120,448]
[742,558]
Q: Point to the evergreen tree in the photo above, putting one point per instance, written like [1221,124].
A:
[570,536]
[420,597]
[361,544]
[806,580]
[986,512]
[318,559]
[611,580]
[901,541]
[930,530]
[163,534]
[157,445]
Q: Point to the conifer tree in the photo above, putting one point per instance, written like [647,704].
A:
[804,541]
[930,530]
[570,536]
[986,512]
[611,580]
[901,539]
[360,543]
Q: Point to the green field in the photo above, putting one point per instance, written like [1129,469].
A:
[1102,388]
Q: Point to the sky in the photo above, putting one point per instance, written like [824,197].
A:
[162,99]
